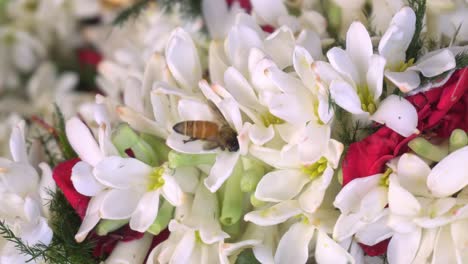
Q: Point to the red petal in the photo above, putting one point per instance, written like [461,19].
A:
[377,249]
[62,177]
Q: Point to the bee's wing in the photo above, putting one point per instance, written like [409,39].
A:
[209,145]
[218,114]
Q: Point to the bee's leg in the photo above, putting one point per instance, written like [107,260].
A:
[210,145]
[189,140]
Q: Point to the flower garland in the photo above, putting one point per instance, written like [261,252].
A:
[270,138]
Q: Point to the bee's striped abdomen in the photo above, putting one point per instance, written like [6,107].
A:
[198,129]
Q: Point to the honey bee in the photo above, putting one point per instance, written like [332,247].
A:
[222,136]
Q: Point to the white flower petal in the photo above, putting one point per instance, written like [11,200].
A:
[273,157]
[171,191]
[310,40]
[402,224]
[359,48]
[346,97]
[91,218]
[260,135]
[84,181]
[183,251]
[397,114]
[292,108]
[127,203]
[215,13]
[312,196]
[17,143]
[280,46]
[373,203]
[275,214]
[401,201]
[460,240]
[293,246]
[349,198]
[187,178]
[453,167]
[240,88]
[403,247]
[375,75]
[280,185]
[435,64]
[145,212]
[375,232]
[130,252]
[412,173]
[121,173]
[405,81]
[426,246]
[346,226]
[83,142]
[140,123]
[269,10]
[217,61]
[221,170]
[342,62]
[195,110]
[238,44]
[182,59]
[398,36]
[328,251]
[444,248]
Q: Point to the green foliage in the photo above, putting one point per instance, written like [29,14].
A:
[65,147]
[419,7]
[247,257]
[131,12]
[189,8]
[63,249]
[461,60]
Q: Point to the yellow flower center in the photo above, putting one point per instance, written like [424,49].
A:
[198,237]
[405,65]
[9,38]
[385,180]
[156,180]
[31,5]
[269,119]
[316,170]
[367,99]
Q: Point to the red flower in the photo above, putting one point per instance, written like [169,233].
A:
[79,202]
[245,4]
[88,56]
[440,111]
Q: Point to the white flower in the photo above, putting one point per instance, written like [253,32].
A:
[107,178]
[20,53]
[393,46]
[362,204]
[23,198]
[304,168]
[360,88]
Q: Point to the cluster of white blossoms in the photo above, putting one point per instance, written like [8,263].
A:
[24,198]
[231,142]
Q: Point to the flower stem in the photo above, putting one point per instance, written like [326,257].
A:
[162,220]
[458,139]
[158,145]
[231,211]
[427,150]
[233,230]
[177,159]
[106,226]
[251,177]
[125,138]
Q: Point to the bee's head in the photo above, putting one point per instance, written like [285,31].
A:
[233,144]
